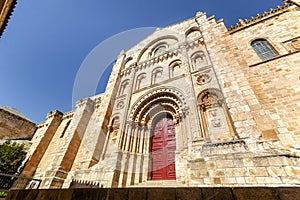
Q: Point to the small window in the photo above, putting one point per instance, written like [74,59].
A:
[263,49]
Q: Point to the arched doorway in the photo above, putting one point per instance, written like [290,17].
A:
[163,148]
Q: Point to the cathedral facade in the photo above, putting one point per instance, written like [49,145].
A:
[193,104]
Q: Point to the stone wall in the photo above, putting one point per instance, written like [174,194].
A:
[236,193]
[14,126]
[275,82]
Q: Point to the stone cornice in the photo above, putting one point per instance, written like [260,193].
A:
[68,115]
[260,17]
[5,13]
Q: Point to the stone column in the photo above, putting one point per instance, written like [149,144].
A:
[134,143]
[146,167]
[142,140]
[201,124]
[128,136]
[125,136]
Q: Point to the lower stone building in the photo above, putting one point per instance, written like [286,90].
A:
[193,104]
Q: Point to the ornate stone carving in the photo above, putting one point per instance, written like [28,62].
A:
[203,78]
[292,45]
[210,98]
[296,44]
[167,100]
[217,126]
[120,104]
[236,146]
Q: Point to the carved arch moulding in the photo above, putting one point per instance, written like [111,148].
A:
[167,100]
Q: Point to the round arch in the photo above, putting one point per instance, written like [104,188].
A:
[162,100]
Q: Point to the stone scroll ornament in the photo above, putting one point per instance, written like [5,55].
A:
[203,78]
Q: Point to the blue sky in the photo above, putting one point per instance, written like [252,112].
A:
[46,41]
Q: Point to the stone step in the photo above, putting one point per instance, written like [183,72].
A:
[162,183]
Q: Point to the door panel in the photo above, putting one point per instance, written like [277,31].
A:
[163,150]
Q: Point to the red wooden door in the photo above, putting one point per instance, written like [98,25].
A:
[163,150]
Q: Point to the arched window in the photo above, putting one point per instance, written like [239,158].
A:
[140,81]
[192,33]
[157,75]
[175,68]
[160,50]
[263,49]
[124,87]
[198,60]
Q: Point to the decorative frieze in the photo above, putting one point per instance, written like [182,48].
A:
[260,17]
[222,148]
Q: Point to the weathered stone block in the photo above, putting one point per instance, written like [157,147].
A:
[250,180]
[159,193]
[188,193]
[260,162]
[217,193]
[137,193]
[288,193]
[270,134]
[276,171]
[292,171]
[278,161]
[225,180]
[255,193]
[225,163]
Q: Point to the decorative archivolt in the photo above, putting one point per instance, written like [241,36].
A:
[192,33]
[156,43]
[211,97]
[163,100]
[127,62]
